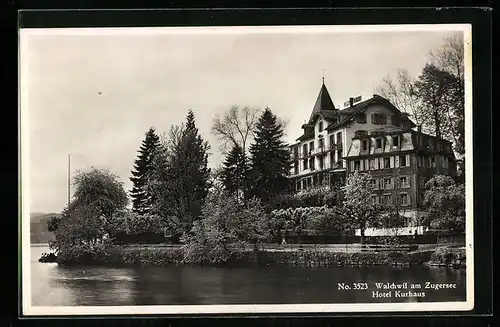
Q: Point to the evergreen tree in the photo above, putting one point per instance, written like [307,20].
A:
[141,197]
[235,172]
[184,178]
[270,157]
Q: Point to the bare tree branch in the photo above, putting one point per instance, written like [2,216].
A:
[235,127]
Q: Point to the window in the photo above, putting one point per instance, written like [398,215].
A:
[339,138]
[321,143]
[387,162]
[381,184]
[311,146]
[373,199]
[364,145]
[374,184]
[387,199]
[378,143]
[395,141]
[422,182]
[367,164]
[361,118]
[297,186]
[445,162]
[304,163]
[339,154]
[428,162]
[304,149]
[320,127]
[381,163]
[296,167]
[404,199]
[311,163]
[433,162]
[402,161]
[379,119]
[356,165]
[332,141]
[388,183]
[321,162]
[404,182]
[332,160]
[372,164]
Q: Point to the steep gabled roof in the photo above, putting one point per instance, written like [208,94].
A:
[350,113]
[323,103]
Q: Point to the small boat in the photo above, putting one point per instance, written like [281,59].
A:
[48,257]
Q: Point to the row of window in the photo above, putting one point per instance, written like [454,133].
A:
[380,142]
[387,183]
[403,199]
[308,148]
[432,144]
[431,162]
[381,163]
[310,163]
[377,119]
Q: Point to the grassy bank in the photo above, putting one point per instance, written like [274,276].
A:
[160,256]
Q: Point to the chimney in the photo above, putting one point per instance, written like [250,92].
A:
[351,102]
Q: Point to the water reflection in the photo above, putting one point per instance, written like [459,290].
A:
[69,286]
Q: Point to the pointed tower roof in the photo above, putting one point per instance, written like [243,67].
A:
[323,102]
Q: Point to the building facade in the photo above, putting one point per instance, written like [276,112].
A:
[319,154]
[369,136]
[400,161]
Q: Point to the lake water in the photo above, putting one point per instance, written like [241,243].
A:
[52,285]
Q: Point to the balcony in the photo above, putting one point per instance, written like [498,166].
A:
[336,146]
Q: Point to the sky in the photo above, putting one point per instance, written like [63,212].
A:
[94,93]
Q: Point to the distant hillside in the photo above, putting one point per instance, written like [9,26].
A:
[38,227]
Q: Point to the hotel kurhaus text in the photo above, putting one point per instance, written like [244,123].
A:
[396,290]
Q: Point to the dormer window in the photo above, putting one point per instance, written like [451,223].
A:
[364,145]
[320,127]
[361,118]
[379,119]
[395,140]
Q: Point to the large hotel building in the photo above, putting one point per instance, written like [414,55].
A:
[371,135]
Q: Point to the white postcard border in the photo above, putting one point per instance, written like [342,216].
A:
[29,310]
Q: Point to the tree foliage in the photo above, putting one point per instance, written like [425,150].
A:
[400,90]
[181,178]
[313,197]
[445,201]
[235,172]
[141,195]
[357,209]
[225,228]
[433,88]
[298,221]
[99,200]
[269,157]
[436,100]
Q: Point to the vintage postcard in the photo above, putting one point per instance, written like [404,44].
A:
[284,169]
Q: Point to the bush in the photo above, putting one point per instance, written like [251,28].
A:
[447,255]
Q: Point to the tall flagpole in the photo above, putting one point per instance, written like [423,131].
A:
[69,178]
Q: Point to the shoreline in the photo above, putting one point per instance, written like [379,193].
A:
[168,256]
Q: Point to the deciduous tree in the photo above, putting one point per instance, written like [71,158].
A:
[445,201]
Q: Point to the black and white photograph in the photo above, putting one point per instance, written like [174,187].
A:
[262,169]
